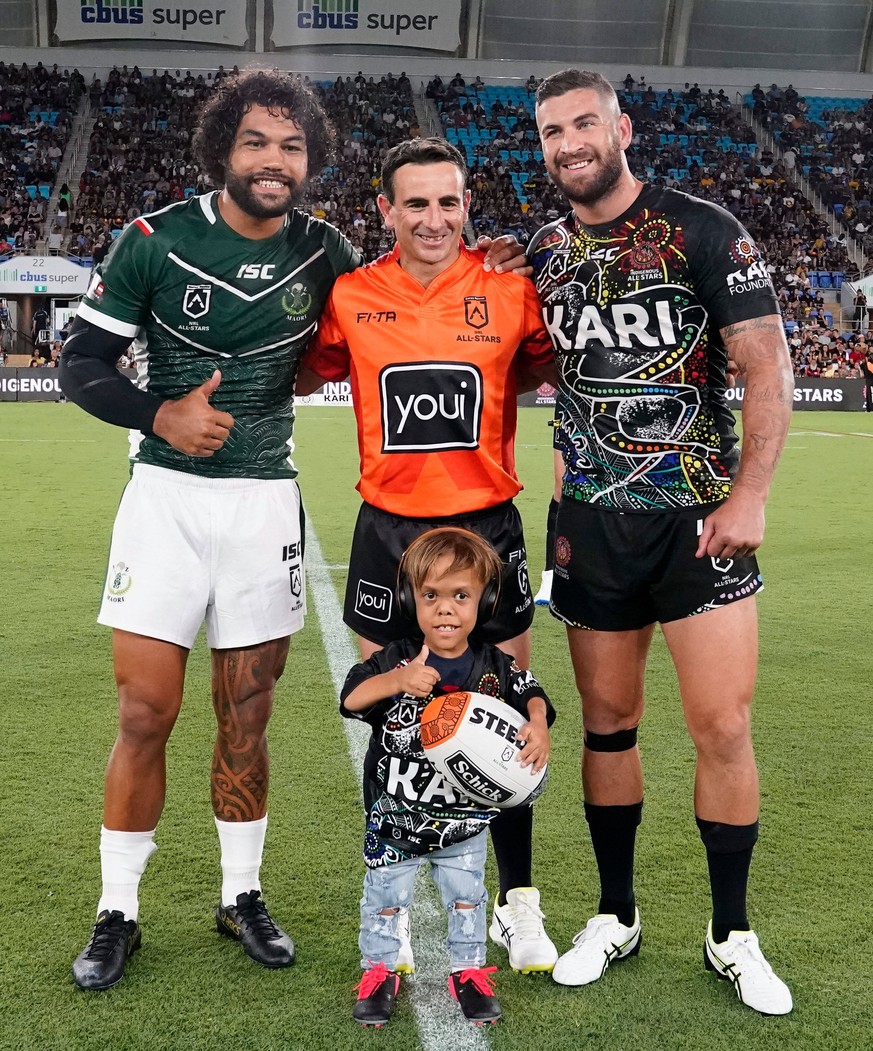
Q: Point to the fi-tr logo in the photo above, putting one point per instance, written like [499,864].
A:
[430,407]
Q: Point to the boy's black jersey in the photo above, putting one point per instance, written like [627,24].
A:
[411,809]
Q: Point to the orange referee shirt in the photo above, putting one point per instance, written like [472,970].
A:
[433,377]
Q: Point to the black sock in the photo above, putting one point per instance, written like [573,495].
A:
[551,527]
[511,836]
[728,855]
[613,835]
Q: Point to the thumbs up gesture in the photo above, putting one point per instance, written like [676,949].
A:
[416,678]
[191,424]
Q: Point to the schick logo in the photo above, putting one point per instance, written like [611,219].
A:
[430,407]
[327,14]
[469,778]
[373,601]
[122,12]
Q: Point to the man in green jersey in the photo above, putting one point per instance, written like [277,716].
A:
[220,293]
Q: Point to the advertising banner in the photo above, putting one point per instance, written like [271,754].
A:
[329,394]
[834,395]
[389,23]
[814,394]
[29,385]
[191,21]
[47,275]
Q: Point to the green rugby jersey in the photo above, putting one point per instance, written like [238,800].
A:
[195,295]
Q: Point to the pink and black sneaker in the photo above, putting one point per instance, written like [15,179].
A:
[474,991]
[377,993]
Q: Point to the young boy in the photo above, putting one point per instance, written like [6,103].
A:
[449,579]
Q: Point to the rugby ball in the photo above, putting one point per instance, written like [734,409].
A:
[471,740]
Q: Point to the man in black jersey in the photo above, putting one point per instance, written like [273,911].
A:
[646,292]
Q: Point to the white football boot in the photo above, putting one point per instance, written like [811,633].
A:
[603,941]
[405,960]
[518,927]
[739,960]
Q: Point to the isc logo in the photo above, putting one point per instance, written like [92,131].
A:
[430,407]
[254,270]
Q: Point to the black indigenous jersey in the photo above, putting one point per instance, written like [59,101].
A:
[411,809]
[196,296]
[634,309]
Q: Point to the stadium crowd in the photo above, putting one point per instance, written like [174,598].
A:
[832,146]
[37,109]
[370,116]
[696,139]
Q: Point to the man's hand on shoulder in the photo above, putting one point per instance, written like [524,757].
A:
[504,254]
[191,424]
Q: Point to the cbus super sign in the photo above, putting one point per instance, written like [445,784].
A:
[186,17]
[395,23]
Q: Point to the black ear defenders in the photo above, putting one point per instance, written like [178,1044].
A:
[488,602]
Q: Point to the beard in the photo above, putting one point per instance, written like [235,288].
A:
[602,185]
[239,189]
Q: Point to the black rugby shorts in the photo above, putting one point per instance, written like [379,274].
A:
[381,538]
[620,572]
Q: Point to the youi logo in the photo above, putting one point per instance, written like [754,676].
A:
[430,407]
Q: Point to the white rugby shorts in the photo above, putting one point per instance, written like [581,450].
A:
[225,550]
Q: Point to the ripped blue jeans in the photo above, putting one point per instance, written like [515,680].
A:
[459,874]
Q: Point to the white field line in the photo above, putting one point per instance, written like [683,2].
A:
[440,1022]
[830,434]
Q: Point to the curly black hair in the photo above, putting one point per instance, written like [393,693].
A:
[280,93]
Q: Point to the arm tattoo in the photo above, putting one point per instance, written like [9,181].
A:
[242,695]
[755,324]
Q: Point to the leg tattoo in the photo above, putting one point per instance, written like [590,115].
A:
[242,695]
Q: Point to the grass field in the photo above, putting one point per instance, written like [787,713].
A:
[61,474]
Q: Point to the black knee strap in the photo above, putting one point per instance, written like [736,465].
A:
[719,838]
[620,741]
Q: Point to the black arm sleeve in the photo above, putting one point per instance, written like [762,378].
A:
[89,378]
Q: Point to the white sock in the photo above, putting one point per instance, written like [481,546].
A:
[123,859]
[242,845]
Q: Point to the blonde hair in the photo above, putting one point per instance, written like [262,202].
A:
[468,551]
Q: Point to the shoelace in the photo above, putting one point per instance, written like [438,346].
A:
[591,928]
[748,951]
[480,977]
[528,919]
[106,936]
[371,980]
[254,912]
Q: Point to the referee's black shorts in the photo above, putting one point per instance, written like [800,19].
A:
[621,572]
[379,542]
